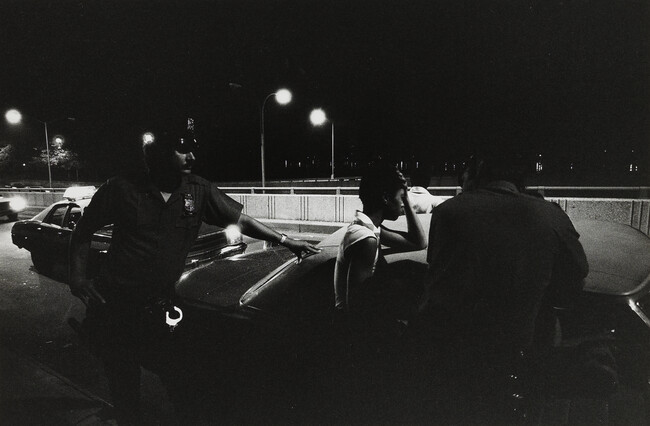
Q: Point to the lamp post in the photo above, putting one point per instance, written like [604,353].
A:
[14,116]
[318,118]
[282,97]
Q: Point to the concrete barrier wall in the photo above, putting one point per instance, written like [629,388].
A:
[635,213]
[318,208]
[37,199]
[341,208]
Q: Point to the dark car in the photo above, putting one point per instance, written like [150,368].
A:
[11,206]
[47,237]
[260,327]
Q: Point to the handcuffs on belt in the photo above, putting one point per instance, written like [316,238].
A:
[173,314]
[172,322]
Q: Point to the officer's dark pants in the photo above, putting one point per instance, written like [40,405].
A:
[122,336]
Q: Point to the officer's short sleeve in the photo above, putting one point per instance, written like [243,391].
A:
[221,210]
[99,213]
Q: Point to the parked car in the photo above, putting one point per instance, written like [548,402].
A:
[11,206]
[259,336]
[47,237]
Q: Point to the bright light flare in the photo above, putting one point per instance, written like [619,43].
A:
[13,116]
[233,234]
[318,117]
[17,204]
[283,96]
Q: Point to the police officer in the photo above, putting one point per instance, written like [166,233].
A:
[156,214]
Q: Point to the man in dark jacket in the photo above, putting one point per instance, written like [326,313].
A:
[497,258]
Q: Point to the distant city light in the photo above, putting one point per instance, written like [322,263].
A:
[317,117]
[283,96]
[13,116]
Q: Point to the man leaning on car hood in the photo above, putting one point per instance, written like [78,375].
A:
[156,213]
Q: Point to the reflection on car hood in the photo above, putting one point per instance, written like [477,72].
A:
[221,283]
[618,255]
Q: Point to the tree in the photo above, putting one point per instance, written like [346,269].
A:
[63,158]
[8,158]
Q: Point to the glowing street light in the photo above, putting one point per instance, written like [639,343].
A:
[13,116]
[147,138]
[282,97]
[318,118]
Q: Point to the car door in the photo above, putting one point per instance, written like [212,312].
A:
[54,233]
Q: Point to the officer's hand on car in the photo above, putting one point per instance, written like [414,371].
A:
[85,290]
[300,248]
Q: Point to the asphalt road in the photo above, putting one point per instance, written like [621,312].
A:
[34,310]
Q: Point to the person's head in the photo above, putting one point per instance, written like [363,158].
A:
[169,147]
[421,177]
[484,168]
[381,189]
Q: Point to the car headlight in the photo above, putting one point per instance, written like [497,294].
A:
[233,234]
[17,204]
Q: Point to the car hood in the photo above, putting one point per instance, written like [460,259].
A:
[618,256]
[618,261]
[221,283]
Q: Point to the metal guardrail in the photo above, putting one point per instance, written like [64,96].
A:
[635,192]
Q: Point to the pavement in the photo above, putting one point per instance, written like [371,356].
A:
[33,394]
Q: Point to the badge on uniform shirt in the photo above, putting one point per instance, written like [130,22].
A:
[188,205]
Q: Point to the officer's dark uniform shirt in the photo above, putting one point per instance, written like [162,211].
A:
[493,255]
[151,238]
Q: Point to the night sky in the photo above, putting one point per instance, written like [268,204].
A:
[409,80]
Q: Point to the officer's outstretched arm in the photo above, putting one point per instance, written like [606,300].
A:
[255,229]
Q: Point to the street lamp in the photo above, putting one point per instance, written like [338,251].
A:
[14,116]
[318,118]
[283,97]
